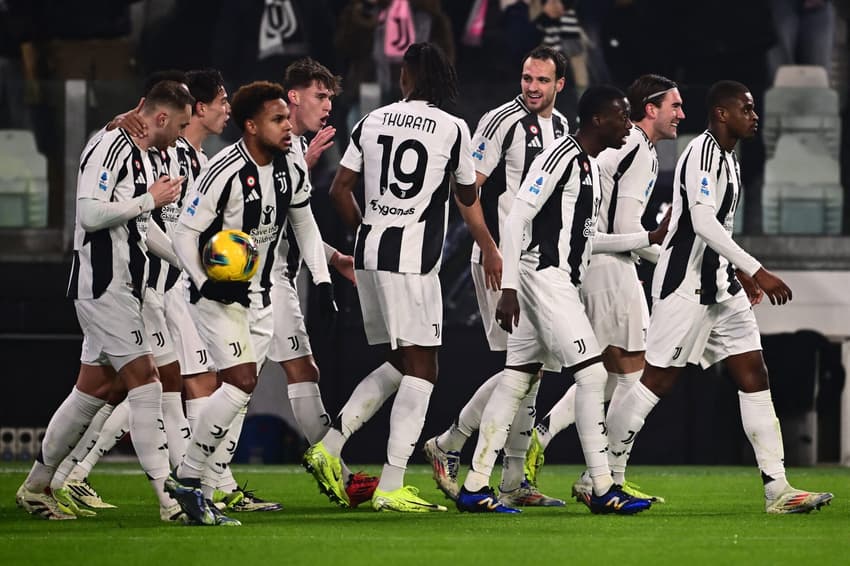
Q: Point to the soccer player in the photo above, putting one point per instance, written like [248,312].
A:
[702,292]
[611,291]
[116,191]
[505,143]
[406,153]
[547,240]
[252,186]
[310,88]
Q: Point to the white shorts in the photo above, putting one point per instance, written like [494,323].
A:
[113,329]
[402,309]
[553,327]
[682,331]
[190,349]
[290,339]
[233,334]
[487,300]
[615,303]
[153,313]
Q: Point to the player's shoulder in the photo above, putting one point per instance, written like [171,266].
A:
[223,165]
[502,117]
[560,152]
[704,151]
[113,147]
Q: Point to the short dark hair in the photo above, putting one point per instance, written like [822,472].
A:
[159,76]
[302,73]
[722,92]
[543,53]
[204,84]
[248,101]
[168,93]
[595,99]
[434,76]
[647,89]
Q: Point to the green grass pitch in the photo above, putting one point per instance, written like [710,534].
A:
[713,515]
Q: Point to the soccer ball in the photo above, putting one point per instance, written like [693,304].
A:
[231,255]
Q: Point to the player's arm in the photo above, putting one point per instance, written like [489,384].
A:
[130,121]
[343,263]
[342,196]
[160,244]
[627,220]
[312,248]
[97,213]
[614,243]
[473,216]
[323,139]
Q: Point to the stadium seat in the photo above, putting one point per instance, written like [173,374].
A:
[23,181]
[801,75]
[804,110]
[802,190]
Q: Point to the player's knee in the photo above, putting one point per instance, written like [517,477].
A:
[659,381]
[301,370]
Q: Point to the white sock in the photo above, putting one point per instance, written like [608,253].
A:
[762,429]
[496,419]
[519,437]
[560,417]
[83,447]
[194,408]
[369,396]
[309,411]
[114,428]
[219,463]
[211,428]
[622,382]
[406,420]
[176,426]
[469,418]
[590,424]
[624,423]
[147,431]
[66,427]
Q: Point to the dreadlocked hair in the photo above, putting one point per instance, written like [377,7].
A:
[433,74]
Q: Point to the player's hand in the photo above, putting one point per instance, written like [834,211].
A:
[227,292]
[657,236]
[507,310]
[327,305]
[344,264]
[751,288]
[492,262]
[165,190]
[323,139]
[131,121]
[775,288]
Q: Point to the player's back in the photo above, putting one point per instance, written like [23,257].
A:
[407,152]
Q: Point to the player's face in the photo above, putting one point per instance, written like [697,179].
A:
[539,85]
[217,112]
[313,106]
[174,123]
[669,115]
[741,117]
[272,126]
[614,123]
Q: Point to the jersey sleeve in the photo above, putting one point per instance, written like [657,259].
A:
[200,206]
[487,149]
[353,156]
[544,175]
[639,179]
[101,167]
[700,181]
[465,170]
[299,176]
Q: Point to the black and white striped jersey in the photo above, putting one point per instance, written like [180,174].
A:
[507,140]
[562,186]
[233,192]
[161,274]
[289,249]
[407,153]
[630,171]
[112,169]
[705,174]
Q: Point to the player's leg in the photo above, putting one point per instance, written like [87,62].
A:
[66,427]
[736,338]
